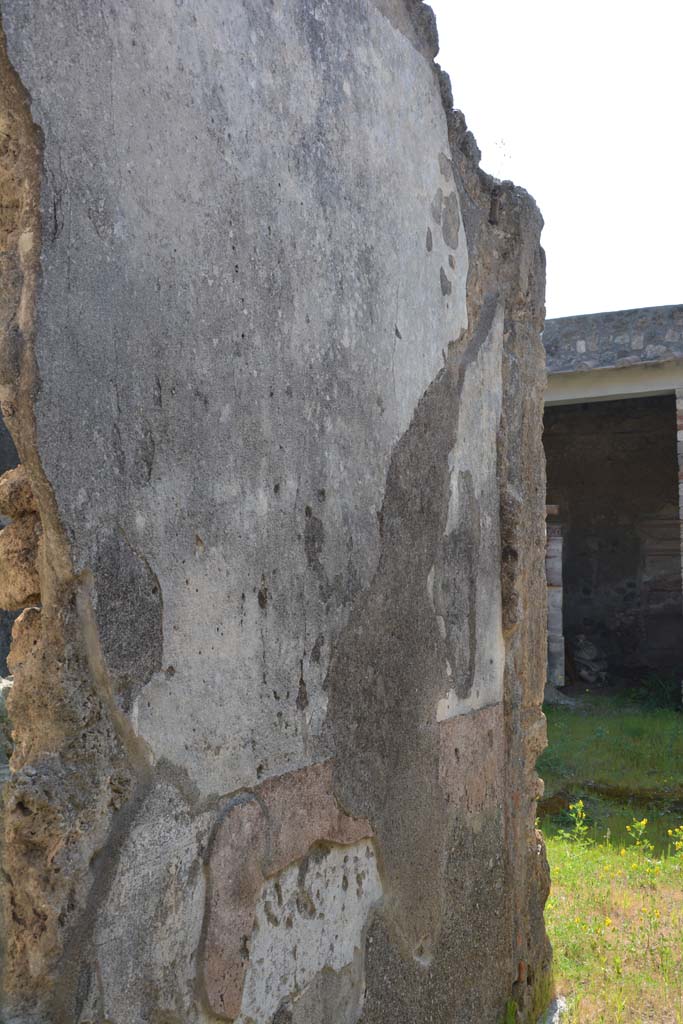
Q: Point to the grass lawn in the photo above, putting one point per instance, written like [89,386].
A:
[615,913]
[623,761]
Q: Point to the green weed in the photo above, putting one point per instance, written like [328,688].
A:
[510,1012]
[579,831]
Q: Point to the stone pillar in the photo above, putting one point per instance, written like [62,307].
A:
[553,571]
[277,714]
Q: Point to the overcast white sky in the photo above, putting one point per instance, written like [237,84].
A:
[580,103]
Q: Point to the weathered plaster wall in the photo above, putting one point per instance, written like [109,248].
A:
[625,337]
[612,468]
[271,359]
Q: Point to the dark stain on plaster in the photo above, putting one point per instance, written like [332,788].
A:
[446,284]
[437,206]
[128,613]
[387,672]
[314,539]
[511,539]
[430,242]
[450,221]
[143,453]
[317,648]
[302,694]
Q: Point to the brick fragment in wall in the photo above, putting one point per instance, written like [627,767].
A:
[471,757]
[257,837]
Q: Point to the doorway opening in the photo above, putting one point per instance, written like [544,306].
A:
[613,485]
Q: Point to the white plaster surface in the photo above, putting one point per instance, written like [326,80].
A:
[305,924]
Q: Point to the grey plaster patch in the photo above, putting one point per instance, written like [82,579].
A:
[447,983]
[391,778]
[152,918]
[332,996]
[446,166]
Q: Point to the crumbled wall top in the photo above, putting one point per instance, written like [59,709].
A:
[621,338]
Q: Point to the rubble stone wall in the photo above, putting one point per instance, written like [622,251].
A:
[271,358]
[625,337]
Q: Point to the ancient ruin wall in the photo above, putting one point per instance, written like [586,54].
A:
[271,360]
